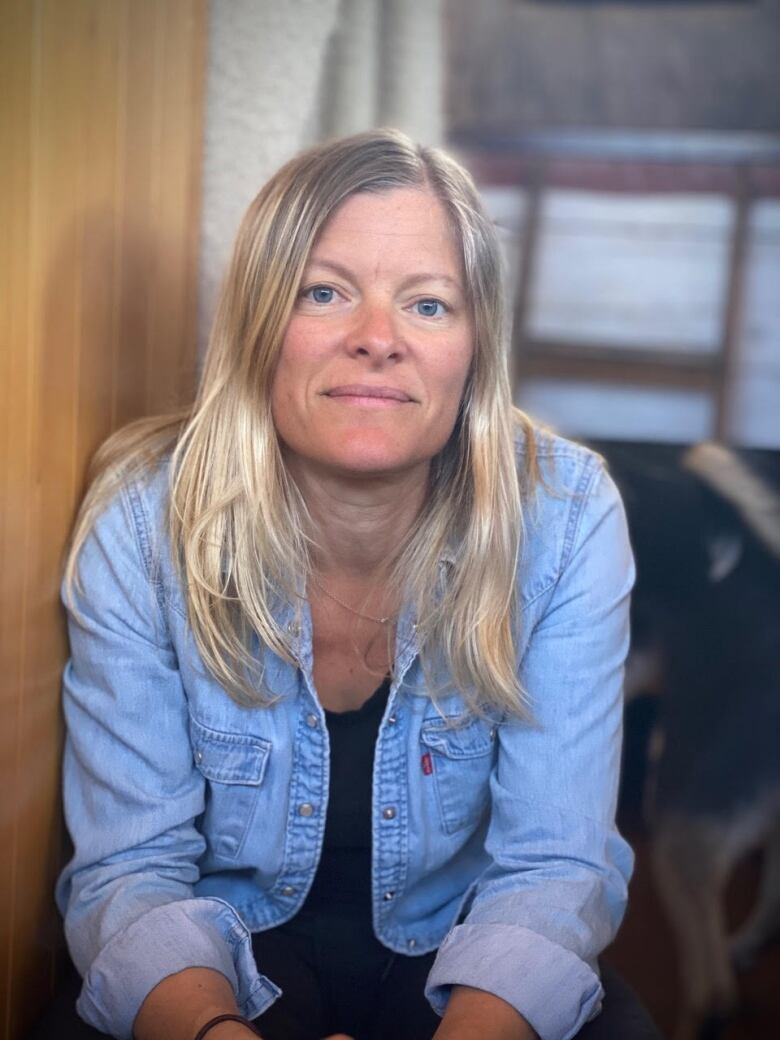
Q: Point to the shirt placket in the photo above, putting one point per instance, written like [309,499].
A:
[390,828]
[310,775]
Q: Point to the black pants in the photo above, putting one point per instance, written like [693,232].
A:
[337,978]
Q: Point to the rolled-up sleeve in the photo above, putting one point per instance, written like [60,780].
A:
[132,793]
[555,892]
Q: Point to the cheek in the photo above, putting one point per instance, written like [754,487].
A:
[286,410]
[451,377]
[298,346]
[280,391]
[295,362]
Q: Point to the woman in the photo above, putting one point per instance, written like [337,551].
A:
[361,726]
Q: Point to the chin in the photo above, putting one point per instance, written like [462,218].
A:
[374,465]
[364,463]
[367,452]
[362,454]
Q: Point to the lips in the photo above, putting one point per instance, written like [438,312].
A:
[388,393]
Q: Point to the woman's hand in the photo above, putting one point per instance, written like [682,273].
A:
[473,1014]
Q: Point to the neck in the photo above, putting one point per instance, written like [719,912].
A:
[360,523]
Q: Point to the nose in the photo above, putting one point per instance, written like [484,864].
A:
[374,334]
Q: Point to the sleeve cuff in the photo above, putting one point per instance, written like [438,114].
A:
[189,933]
[548,985]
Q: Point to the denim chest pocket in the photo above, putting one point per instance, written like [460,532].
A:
[460,759]
[234,766]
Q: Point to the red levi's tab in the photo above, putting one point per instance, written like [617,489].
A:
[426,763]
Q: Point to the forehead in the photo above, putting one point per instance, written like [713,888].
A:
[402,222]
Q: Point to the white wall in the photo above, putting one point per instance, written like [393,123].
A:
[283,74]
[265,61]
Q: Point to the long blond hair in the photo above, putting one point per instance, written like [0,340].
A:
[237,523]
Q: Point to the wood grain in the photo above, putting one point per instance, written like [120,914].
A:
[100,154]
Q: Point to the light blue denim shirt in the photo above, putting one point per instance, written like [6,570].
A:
[196,821]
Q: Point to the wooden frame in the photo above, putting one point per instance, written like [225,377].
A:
[742,167]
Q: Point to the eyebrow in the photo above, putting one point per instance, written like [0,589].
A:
[412,279]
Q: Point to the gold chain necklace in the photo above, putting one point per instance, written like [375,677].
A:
[346,606]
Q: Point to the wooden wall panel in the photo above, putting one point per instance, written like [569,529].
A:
[100,154]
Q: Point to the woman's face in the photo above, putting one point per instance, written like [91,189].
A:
[375,358]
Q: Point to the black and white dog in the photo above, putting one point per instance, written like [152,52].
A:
[705,525]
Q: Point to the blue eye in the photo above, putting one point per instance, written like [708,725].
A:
[430,308]
[320,294]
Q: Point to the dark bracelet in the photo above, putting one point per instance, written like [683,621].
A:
[224,1018]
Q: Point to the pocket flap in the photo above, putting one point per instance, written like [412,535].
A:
[458,741]
[229,758]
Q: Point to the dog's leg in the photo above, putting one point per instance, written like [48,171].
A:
[692,859]
[763,921]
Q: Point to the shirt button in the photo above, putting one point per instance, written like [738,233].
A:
[293,628]
[388,896]
[306,809]
[312,721]
[389,813]
[391,720]
[288,890]
[412,943]
[198,756]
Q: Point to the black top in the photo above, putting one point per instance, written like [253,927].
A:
[343,878]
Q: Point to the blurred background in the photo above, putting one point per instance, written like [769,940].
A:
[629,154]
